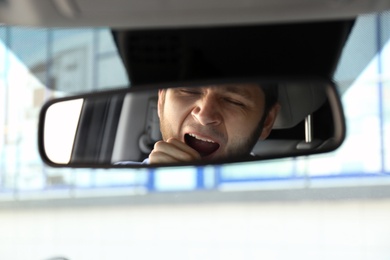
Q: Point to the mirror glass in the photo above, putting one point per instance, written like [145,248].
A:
[212,123]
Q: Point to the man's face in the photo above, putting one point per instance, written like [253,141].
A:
[216,121]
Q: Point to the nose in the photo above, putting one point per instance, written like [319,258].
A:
[207,111]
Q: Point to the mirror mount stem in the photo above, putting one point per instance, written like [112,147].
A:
[310,142]
[308,129]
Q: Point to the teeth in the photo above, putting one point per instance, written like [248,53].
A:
[204,140]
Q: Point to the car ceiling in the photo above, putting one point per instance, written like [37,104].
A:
[174,13]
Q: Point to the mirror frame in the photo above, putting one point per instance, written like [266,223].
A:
[331,89]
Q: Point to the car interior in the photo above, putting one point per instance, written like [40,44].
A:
[73,184]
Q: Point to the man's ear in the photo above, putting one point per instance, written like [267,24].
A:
[269,121]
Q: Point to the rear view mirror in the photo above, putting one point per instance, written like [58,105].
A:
[211,124]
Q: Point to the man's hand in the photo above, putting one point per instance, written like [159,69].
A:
[172,151]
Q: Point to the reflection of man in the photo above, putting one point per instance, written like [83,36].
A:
[213,122]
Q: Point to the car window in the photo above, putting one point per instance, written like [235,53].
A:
[47,63]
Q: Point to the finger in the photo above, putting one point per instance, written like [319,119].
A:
[161,157]
[184,147]
[176,150]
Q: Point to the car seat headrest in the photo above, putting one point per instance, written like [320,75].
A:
[298,101]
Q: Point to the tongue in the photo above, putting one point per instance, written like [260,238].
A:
[202,147]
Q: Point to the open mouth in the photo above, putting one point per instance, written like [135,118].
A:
[203,146]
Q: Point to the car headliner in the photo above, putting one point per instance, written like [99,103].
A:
[178,13]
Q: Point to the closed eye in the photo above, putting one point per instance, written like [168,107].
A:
[234,102]
[189,91]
